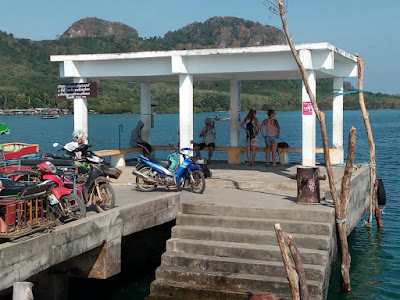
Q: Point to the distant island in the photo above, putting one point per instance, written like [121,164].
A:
[28,79]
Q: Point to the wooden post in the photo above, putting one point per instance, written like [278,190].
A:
[292,275]
[299,267]
[340,206]
[22,290]
[360,64]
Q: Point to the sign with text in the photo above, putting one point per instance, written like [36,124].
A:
[307,108]
[77,90]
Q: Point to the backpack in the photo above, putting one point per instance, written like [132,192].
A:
[251,131]
[206,171]
[283,145]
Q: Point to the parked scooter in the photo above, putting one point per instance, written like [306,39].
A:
[96,190]
[151,172]
[63,203]
[60,203]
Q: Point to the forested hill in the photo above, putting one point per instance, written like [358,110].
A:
[28,78]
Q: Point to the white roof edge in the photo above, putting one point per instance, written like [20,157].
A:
[199,52]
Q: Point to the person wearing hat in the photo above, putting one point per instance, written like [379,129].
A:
[208,134]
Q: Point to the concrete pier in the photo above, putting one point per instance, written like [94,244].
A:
[224,244]
[91,246]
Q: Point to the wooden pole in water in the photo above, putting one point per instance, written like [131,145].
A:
[365,115]
[290,271]
[340,206]
[299,267]
[22,290]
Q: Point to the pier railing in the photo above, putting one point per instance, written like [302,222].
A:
[117,156]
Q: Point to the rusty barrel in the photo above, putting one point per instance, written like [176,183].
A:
[308,185]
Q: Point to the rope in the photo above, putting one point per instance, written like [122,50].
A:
[341,221]
[383,210]
[348,92]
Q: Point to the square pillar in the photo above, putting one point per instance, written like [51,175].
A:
[185,110]
[337,120]
[80,111]
[145,110]
[234,112]
[308,122]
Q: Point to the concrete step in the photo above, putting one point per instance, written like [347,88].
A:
[240,250]
[258,237]
[234,281]
[162,289]
[316,213]
[235,265]
[288,226]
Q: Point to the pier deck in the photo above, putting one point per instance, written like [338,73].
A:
[223,244]
[92,246]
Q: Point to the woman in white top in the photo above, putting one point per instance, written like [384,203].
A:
[252,128]
[271,136]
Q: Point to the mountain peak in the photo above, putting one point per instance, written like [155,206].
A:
[95,27]
[225,32]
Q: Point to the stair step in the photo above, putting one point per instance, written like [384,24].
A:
[259,237]
[240,250]
[167,290]
[288,226]
[234,281]
[316,213]
[235,265]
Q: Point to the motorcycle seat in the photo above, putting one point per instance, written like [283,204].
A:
[164,162]
[11,187]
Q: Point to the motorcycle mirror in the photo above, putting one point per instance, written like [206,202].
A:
[191,141]
[55,145]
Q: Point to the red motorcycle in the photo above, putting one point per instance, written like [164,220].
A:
[63,203]
[96,190]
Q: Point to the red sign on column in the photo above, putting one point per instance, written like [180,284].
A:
[307,108]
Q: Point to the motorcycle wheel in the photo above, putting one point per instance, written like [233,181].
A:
[73,207]
[198,184]
[141,183]
[108,196]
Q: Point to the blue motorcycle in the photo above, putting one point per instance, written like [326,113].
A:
[153,172]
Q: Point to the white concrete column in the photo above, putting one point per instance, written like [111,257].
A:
[337,119]
[234,112]
[145,110]
[81,111]
[308,122]
[185,110]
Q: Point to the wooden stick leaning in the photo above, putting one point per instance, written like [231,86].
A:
[290,271]
[365,115]
[339,211]
[299,267]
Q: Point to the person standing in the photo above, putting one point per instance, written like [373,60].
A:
[252,128]
[208,134]
[272,131]
[136,139]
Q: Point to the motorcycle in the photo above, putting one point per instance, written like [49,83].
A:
[96,190]
[151,172]
[63,203]
[60,204]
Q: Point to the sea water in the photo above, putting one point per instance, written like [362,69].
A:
[375,266]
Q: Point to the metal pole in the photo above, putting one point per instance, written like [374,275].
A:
[120,129]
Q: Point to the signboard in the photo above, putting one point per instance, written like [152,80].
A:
[77,90]
[307,108]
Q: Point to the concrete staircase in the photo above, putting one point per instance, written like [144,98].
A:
[222,252]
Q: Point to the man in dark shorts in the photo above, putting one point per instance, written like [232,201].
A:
[208,134]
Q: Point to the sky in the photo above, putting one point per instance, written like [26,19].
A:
[366,27]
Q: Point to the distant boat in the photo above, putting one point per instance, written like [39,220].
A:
[48,116]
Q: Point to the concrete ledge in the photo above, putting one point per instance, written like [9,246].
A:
[23,259]
[118,155]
